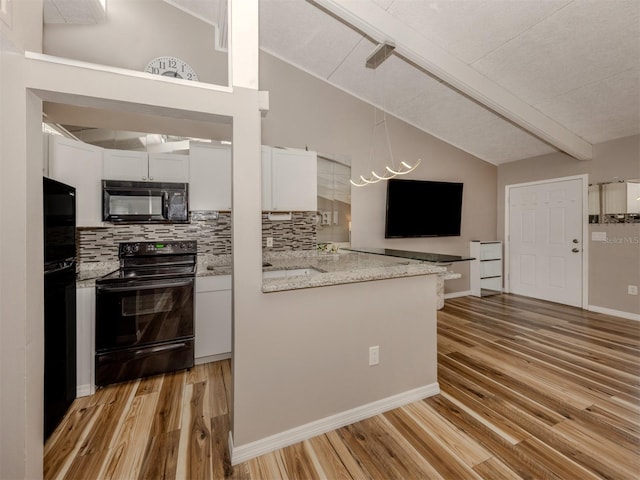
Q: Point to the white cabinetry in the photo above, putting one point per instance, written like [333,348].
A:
[168,167]
[125,165]
[141,166]
[85,340]
[209,177]
[486,269]
[80,165]
[213,318]
[289,180]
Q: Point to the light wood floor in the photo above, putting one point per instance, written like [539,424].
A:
[530,390]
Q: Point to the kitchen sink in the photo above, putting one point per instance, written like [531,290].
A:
[292,272]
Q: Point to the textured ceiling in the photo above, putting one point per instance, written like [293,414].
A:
[577,62]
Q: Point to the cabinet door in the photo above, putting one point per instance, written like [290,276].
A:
[85,347]
[80,165]
[209,177]
[213,323]
[125,165]
[168,167]
[294,180]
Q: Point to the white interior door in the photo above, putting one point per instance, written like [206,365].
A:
[546,240]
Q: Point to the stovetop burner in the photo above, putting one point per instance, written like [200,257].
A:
[151,272]
[154,260]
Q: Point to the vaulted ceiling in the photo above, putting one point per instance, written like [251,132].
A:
[575,62]
[501,79]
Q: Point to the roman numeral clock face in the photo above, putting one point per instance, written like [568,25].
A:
[171,67]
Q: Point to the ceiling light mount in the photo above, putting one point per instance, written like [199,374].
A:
[380,54]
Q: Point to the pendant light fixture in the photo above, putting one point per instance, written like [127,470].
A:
[379,55]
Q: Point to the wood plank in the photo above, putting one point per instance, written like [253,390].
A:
[438,455]
[218,404]
[126,455]
[168,414]
[456,440]
[199,436]
[161,457]
[66,441]
[491,440]
[603,456]
[329,462]
[220,456]
[297,462]
[355,468]
[494,469]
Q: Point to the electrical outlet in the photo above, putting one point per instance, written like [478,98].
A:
[374,355]
[269,241]
[632,289]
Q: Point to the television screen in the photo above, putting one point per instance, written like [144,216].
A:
[419,208]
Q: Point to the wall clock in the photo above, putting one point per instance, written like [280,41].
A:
[171,67]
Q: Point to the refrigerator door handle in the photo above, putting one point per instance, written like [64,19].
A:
[58,267]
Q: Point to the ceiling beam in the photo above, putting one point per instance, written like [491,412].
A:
[382,27]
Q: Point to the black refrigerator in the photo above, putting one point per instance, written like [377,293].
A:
[59,301]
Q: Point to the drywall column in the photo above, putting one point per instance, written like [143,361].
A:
[21,286]
[247,178]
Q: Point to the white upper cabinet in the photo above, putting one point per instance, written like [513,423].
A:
[289,180]
[80,165]
[168,167]
[209,177]
[142,167]
[126,165]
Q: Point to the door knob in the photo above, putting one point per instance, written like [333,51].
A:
[575,250]
[575,240]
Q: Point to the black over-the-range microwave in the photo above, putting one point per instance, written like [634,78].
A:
[145,202]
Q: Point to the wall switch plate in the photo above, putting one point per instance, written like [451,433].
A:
[632,289]
[374,355]
[269,241]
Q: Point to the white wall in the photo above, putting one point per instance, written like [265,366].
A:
[21,255]
[137,31]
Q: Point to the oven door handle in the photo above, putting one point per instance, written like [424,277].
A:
[163,348]
[145,286]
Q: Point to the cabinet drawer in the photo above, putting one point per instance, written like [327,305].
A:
[213,283]
[490,268]
[492,284]
[491,251]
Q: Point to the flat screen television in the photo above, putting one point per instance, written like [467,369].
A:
[420,208]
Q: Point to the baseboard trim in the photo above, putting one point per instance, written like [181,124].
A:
[457,294]
[251,450]
[615,313]
[84,390]
[212,358]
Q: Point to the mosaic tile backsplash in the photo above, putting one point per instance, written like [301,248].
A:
[214,237]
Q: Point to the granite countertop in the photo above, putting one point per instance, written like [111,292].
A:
[89,271]
[339,268]
[326,269]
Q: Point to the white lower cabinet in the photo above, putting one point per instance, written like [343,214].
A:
[213,318]
[486,268]
[85,340]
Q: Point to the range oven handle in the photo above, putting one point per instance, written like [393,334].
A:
[144,286]
[163,348]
